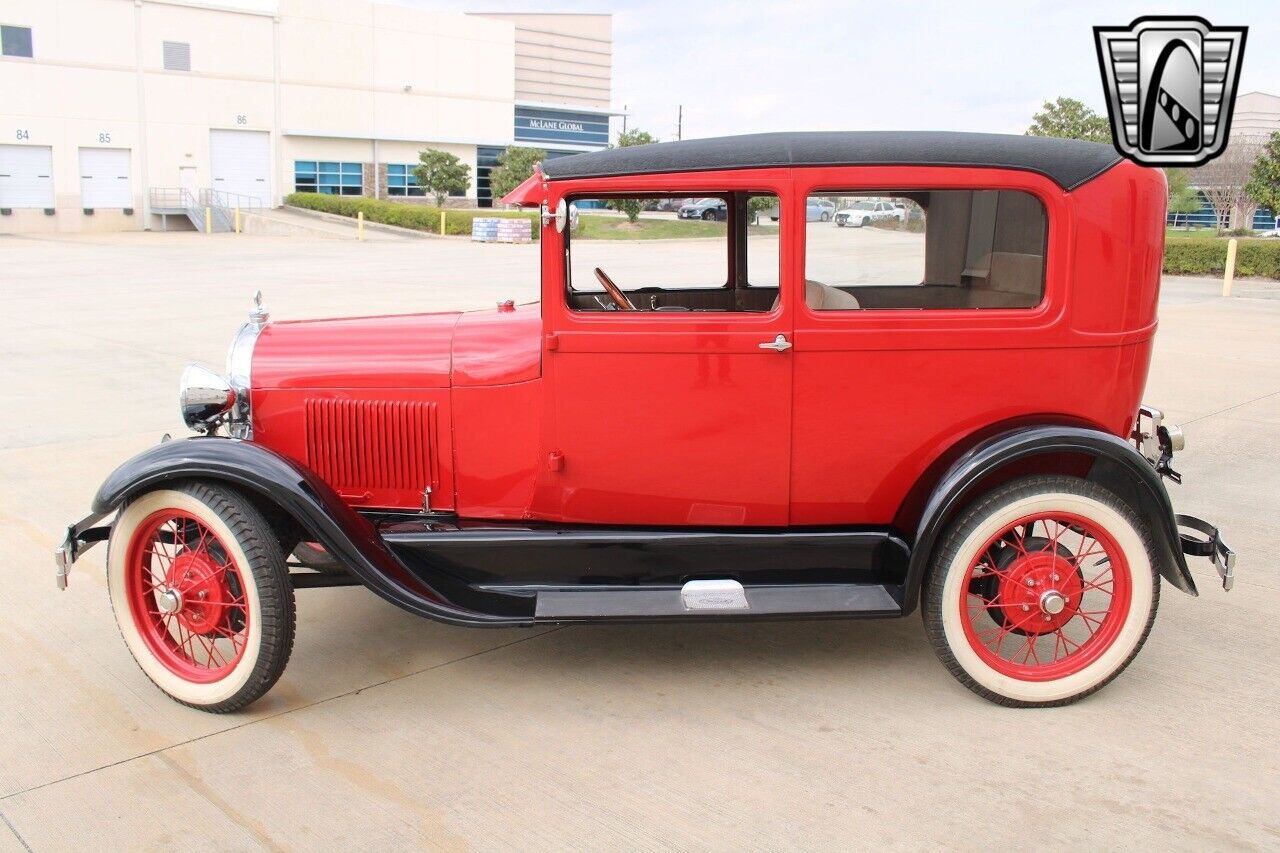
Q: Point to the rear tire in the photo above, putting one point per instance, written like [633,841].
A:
[201,594]
[1041,592]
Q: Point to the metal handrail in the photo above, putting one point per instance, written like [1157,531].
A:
[228,201]
[219,205]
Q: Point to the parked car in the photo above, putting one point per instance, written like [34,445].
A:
[705,208]
[803,449]
[819,210]
[862,213]
[673,205]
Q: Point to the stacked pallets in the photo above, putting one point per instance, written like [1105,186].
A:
[493,229]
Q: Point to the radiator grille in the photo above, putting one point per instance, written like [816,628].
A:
[373,444]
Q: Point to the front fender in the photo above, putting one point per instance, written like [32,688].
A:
[297,491]
[1116,465]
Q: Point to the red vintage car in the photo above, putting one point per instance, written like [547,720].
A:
[767,420]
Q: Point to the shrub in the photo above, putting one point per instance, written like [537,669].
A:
[1209,257]
[420,217]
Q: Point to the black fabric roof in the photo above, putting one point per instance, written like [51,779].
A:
[1067,162]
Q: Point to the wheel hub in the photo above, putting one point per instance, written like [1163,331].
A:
[198,590]
[1040,592]
[169,601]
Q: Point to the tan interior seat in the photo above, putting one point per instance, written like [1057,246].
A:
[824,297]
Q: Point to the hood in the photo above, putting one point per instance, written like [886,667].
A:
[401,351]
[488,347]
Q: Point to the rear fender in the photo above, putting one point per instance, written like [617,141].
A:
[304,497]
[1116,464]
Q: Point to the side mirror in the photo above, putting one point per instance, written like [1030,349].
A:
[560,217]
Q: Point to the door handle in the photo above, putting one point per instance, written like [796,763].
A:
[778,344]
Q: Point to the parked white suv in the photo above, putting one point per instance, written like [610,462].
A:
[865,212]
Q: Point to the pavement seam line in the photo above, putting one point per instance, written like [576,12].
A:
[1232,408]
[18,835]
[264,719]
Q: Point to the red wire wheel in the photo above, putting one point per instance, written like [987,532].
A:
[187,597]
[1046,597]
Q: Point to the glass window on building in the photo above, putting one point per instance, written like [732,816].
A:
[401,180]
[330,178]
[15,41]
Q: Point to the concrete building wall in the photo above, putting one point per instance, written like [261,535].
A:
[1256,113]
[343,81]
[562,59]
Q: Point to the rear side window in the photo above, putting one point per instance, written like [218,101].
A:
[922,250]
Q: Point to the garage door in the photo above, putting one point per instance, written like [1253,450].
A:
[240,161]
[26,176]
[104,178]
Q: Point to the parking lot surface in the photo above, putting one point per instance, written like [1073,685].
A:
[388,730]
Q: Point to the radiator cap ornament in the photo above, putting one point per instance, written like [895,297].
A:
[258,316]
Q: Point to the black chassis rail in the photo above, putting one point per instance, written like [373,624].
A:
[358,544]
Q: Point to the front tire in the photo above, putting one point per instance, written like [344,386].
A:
[1041,592]
[201,594]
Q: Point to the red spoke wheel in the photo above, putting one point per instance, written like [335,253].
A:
[201,595]
[1041,591]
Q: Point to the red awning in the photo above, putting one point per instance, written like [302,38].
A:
[528,194]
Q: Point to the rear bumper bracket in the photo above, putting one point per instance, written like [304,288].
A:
[1208,544]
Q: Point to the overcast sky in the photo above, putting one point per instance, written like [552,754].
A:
[744,66]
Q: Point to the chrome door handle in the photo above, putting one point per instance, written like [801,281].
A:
[778,344]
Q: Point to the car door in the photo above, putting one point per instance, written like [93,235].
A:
[677,416]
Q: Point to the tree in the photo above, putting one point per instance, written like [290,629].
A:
[441,173]
[1067,118]
[627,139]
[1264,177]
[515,165]
[1222,182]
[1183,198]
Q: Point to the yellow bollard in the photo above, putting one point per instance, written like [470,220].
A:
[1230,273]
[359,224]
[237,220]
[208,220]
[442,223]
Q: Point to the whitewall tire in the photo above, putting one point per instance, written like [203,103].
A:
[1041,591]
[201,594]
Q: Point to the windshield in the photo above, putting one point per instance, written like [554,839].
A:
[863,205]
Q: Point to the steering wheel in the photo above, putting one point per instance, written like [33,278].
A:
[615,293]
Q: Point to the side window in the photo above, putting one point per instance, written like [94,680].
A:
[927,249]
[664,253]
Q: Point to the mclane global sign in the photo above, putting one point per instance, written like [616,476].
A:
[1171,86]
[549,127]
[548,124]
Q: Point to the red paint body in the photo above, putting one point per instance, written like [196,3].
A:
[680,418]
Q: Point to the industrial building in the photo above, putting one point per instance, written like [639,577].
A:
[113,107]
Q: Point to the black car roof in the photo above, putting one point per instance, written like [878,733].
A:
[1067,162]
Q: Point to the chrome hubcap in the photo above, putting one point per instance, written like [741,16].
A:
[169,601]
[1052,602]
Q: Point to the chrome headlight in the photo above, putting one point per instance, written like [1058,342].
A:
[204,397]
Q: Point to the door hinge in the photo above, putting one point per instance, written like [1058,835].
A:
[553,341]
[555,461]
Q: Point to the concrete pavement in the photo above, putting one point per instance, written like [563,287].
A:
[389,731]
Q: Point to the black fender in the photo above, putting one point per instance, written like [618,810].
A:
[298,492]
[1116,465]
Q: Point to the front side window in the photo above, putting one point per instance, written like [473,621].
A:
[330,178]
[15,41]
[664,253]
[926,249]
[401,180]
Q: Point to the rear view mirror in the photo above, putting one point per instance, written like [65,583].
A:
[560,217]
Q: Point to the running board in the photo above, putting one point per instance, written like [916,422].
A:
[712,599]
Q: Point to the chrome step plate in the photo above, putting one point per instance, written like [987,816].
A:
[722,594]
